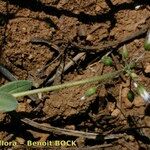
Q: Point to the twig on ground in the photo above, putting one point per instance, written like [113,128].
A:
[44,41]
[67,66]
[55,47]
[7,73]
[50,45]
[56,130]
[111,44]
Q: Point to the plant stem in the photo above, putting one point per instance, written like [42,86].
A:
[69,84]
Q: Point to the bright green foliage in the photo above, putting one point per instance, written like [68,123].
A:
[16,86]
[91,91]
[7,102]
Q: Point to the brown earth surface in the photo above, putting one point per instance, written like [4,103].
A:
[39,37]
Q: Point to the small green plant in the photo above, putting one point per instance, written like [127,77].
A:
[10,91]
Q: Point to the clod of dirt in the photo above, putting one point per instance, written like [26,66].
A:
[67,102]
[24,107]
[147,68]
[138,101]
[125,92]
[127,103]
[147,120]
[67,28]
[147,123]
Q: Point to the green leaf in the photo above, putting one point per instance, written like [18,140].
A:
[7,102]
[16,86]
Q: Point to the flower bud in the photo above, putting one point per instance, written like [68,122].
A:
[134,76]
[147,42]
[90,91]
[142,92]
[124,52]
[107,61]
[130,96]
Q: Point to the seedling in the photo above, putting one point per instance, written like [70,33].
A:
[10,91]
